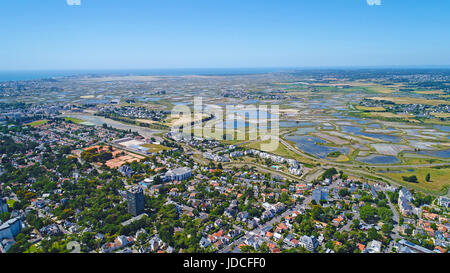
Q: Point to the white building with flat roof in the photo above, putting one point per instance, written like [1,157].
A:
[178,174]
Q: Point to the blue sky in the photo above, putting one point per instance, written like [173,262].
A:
[142,34]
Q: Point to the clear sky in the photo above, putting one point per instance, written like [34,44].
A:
[146,34]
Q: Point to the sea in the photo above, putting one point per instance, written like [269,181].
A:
[51,74]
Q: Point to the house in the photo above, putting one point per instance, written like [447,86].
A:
[218,223]
[126,170]
[119,242]
[361,247]
[337,221]
[279,207]
[155,243]
[373,247]
[253,241]
[277,236]
[204,243]
[281,228]
[268,206]
[444,201]
[287,240]
[252,223]
[234,233]
[294,243]
[242,216]
[309,242]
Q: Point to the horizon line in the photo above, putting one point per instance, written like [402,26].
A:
[238,67]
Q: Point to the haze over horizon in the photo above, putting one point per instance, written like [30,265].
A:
[174,34]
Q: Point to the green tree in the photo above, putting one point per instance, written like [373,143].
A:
[386,229]
[368,213]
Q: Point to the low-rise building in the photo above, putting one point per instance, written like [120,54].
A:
[178,174]
[373,247]
[309,242]
[444,201]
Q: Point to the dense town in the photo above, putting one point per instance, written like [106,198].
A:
[111,190]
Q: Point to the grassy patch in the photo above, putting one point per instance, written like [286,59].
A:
[440,178]
[74,120]
[342,158]
[430,92]
[406,100]
[441,115]
[155,148]
[37,122]
[32,249]
[335,154]
[10,202]
[421,160]
[370,109]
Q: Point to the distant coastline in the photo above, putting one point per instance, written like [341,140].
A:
[37,75]
[26,75]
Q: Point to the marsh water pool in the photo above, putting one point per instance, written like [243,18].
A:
[358,131]
[310,144]
[436,153]
[378,159]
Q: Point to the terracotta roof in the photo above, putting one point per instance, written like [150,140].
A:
[361,246]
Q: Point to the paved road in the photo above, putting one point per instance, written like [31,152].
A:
[394,235]
[258,230]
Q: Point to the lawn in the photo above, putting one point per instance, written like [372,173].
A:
[32,248]
[37,122]
[10,202]
[155,148]
[342,158]
[440,178]
[382,89]
[421,160]
[74,120]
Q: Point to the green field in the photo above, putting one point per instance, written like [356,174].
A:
[37,122]
[440,178]
[155,148]
[370,109]
[408,100]
[74,120]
